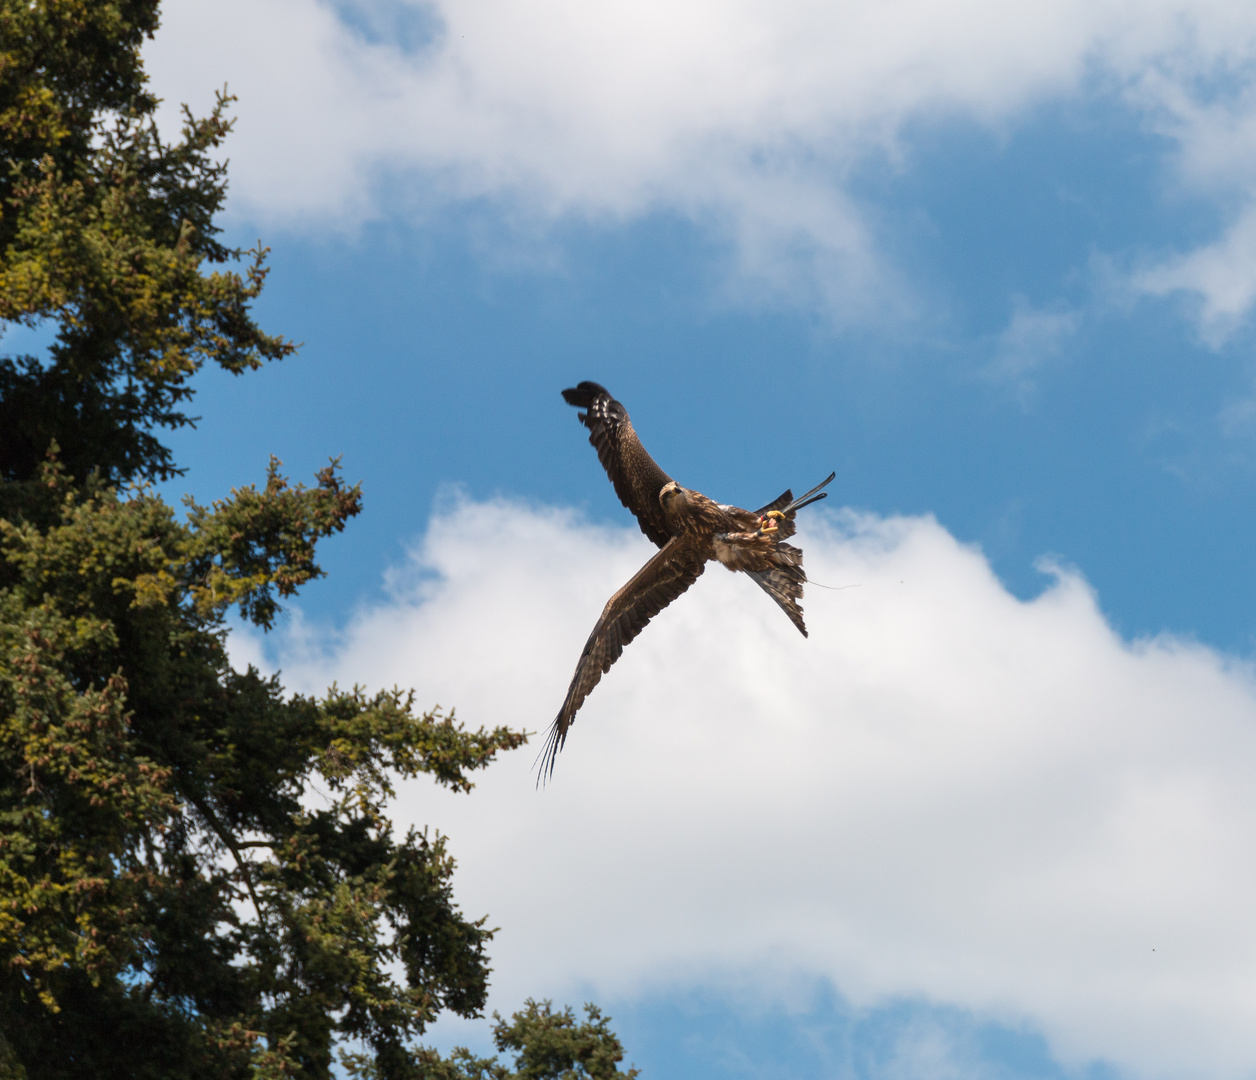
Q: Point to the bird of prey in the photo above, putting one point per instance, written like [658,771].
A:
[690,530]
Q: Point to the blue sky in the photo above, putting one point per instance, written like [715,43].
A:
[995,267]
[1108,435]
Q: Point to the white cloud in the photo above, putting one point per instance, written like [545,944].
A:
[945,792]
[747,115]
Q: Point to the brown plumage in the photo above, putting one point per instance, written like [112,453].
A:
[690,530]
[637,478]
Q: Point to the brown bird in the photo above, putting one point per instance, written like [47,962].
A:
[690,530]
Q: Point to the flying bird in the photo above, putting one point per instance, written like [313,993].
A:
[690,531]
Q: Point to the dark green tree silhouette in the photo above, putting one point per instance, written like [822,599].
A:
[175,901]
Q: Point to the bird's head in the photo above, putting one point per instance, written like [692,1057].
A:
[672,494]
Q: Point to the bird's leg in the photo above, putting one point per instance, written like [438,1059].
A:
[767,523]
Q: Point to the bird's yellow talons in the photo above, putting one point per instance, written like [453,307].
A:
[767,523]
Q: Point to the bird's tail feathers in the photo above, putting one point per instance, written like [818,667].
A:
[784,582]
[787,504]
[783,499]
[810,497]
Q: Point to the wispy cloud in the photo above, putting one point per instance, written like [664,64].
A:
[945,793]
[1032,338]
[1218,279]
[747,116]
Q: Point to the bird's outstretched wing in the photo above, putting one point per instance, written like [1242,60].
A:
[626,614]
[637,478]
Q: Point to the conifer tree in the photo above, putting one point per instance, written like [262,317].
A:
[171,904]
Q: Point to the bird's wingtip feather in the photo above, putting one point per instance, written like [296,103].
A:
[582,394]
[549,753]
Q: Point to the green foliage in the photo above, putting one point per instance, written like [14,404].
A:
[198,875]
[553,1046]
[106,230]
[547,1045]
[166,866]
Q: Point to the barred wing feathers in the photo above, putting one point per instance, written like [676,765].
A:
[668,574]
[636,476]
